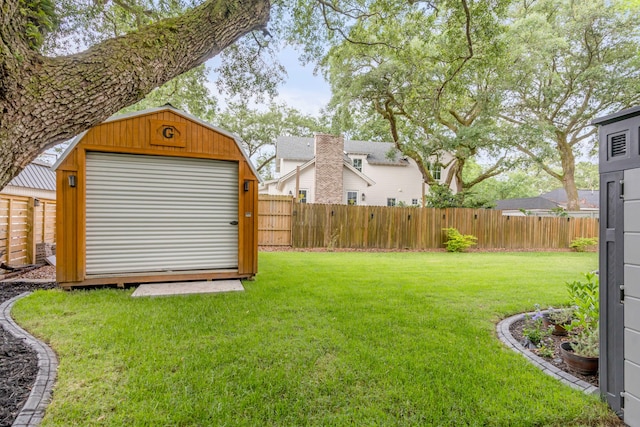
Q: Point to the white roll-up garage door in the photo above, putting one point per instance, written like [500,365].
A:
[160,214]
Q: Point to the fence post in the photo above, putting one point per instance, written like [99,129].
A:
[9,229]
[31,231]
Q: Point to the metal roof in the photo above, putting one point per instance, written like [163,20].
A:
[299,148]
[36,175]
[167,107]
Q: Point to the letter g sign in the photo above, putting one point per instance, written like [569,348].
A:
[168,132]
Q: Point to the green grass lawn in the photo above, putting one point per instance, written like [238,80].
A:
[325,339]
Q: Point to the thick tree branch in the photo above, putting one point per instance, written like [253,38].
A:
[53,99]
[539,162]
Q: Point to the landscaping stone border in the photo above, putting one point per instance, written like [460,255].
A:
[33,410]
[504,334]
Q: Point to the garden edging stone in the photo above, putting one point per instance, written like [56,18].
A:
[504,334]
[33,410]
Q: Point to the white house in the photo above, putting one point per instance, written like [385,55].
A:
[328,169]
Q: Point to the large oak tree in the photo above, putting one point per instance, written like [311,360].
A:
[572,61]
[45,100]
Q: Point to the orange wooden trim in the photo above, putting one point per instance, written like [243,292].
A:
[159,152]
[242,220]
[81,206]
[150,278]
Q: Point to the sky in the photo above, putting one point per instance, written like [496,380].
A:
[302,89]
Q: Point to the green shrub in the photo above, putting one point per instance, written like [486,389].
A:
[457,242]
[584,296]
[582,243]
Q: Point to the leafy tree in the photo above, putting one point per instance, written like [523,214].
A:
[434,78]
[260,129]
[572,61]
[187,92]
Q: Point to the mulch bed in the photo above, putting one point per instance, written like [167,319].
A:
[18,362]
[556,360]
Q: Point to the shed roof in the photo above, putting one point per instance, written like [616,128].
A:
[36,175]
[167,107]
[299,148]
[616,117]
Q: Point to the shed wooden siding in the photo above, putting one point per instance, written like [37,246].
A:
[133,135]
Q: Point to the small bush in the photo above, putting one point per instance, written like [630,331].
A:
[457,242]
[582,243]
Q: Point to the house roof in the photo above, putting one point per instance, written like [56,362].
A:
[587,198]
[550,200]
[36,175]
[299,148]
[346,164]
[525,203]
[167,107]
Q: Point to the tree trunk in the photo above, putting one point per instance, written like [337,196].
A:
[45,101]
[568,162]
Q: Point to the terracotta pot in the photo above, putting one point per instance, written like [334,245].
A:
[580,364]
[558,329]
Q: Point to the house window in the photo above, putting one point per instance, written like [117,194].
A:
[352,198]
[414,202]
[391,201]
[357,163]
[302,196]
[436,170]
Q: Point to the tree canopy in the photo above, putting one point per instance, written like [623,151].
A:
[572,61]
[434,76]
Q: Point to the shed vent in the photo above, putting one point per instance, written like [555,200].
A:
[618,145]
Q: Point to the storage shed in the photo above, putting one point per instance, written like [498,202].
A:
[156,195]
[620,262]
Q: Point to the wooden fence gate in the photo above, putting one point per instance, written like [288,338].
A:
[274,220]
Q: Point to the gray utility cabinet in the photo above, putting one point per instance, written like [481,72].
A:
[620,262]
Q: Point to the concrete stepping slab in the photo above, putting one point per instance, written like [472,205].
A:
[186,288]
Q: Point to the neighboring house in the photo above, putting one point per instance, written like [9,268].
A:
[328,169]
[545,204]
[37,180]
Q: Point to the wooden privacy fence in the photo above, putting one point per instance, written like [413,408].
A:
[342,226]
[23,225]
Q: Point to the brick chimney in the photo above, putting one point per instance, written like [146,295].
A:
[329,153]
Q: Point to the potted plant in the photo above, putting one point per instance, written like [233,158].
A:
[558,319]
[582,353]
